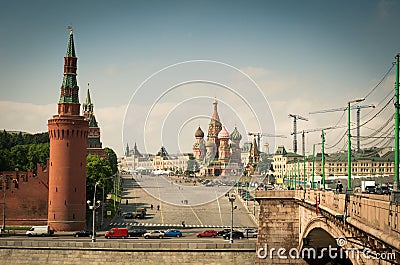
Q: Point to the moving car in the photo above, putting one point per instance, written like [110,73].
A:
[83,233]
[173,233]
[224,231]
[207,233]
[43,230]
[235,235]
[117,233]
[154,234]
[136,232]
[128,216]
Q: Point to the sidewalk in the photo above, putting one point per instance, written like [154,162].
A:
[251,210]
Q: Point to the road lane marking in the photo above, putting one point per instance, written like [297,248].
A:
[159,198]
[219,208]
[191,208]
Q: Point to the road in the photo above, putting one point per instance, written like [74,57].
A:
[174,204]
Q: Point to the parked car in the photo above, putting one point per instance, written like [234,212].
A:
[83,233]
[117,233]
[250,232]
[370,189]
[207,233]
[154,234]
[383,190]
[235,235]
[136,232]
[173,233]
[128,216]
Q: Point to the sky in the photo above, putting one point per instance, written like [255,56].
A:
[261,60]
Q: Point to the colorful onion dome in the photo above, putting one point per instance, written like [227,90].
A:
[199,133]
[223,134]
[236,135]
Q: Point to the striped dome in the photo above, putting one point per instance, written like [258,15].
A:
[236,135]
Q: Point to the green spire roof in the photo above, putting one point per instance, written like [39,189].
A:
[88,100]
[69,87]
[71,47]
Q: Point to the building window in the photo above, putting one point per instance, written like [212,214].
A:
[56,189]
[54,216]
[73,216]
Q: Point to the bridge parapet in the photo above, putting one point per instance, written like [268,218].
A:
[369,219]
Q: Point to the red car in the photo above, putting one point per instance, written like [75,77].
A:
[207,233]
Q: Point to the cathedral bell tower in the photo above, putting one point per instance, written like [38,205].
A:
[68,132]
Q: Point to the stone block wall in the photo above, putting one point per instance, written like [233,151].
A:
[278,227]
[119,252]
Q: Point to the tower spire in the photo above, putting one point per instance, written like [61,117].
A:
[71,46]
[69,96]
[215,115]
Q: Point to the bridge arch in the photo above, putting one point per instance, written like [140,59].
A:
[321,236]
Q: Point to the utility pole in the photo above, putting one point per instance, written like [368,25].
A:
[304,173]
[323,159]
[396,128]
[313,168]
[298,173]
[349,142]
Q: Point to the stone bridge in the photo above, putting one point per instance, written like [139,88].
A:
[318,227]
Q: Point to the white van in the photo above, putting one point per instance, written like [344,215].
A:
[43,230]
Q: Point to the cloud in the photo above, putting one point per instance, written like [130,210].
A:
[110,121]
[25,116]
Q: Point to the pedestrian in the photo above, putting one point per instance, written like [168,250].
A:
[151,206]
[183,224]
[158,207]
[339,187]
[126,202]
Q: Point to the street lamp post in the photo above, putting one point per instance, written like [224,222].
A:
[232,198]
[349,142]
[3,227]
[4,179]
[93,207]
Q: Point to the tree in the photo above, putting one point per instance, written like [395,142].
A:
[37,154]
[5,161]
[192,165]
[19,157]
[264,164]
[97,170]
[112,159]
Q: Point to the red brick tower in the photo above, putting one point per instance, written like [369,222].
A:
[68,132]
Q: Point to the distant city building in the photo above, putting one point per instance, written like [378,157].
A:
[281,159]
[94,145]
[371,163]
[161,161]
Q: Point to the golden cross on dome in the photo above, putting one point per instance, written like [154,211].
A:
[70,29]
